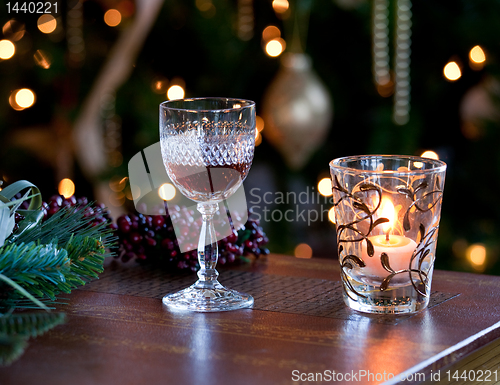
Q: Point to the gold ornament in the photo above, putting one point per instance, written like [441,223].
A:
[297,110]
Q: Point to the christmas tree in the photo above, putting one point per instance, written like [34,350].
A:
[92,74]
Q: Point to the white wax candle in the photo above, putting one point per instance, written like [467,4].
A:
[398,248]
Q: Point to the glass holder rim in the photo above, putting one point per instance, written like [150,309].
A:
[438,165]
[247,104]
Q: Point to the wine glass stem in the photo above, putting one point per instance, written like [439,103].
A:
[207,247]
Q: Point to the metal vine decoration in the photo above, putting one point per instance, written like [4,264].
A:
[426,237]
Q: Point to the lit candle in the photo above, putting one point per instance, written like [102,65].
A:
[399,249]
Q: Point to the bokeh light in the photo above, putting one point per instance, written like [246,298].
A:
[166,191]
[206,7]
[331,215]
[47,23]
[477,58]
[270,32]
[175,92]
[13,103]
[280,6]
[14,30]
[42,59]
[430,155]
[476,254]
[7,49]
[452,71]
[386,89]
[325,187]
[159,85]
[258,138]
[303,250]
[477,55]
[117,184]
[112,17]
[275,47]
[259,123]
[472,130]
[25,98]
[203,5]
[66,187]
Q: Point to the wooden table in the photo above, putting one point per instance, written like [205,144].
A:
[118,332]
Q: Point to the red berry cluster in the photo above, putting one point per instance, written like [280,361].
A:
[151,238]
[97,212]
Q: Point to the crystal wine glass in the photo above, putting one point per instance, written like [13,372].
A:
[207,146]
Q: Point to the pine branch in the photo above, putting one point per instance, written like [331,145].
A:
[44,271]
[42,259]
[66,222]
[87,256]
[22,291]
[39,269]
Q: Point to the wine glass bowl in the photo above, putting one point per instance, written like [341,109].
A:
[207,148]
[208,167]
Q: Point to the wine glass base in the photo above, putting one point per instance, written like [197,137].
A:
[202,299]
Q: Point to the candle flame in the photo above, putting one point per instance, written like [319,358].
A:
[388,212]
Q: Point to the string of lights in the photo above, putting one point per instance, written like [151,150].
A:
[401,113]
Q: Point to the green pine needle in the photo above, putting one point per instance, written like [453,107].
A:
[44,271]
[39,269]
[87,257]
[22,291]
[68,221]
[55,256]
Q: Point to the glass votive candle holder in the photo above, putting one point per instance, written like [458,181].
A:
[387,212]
